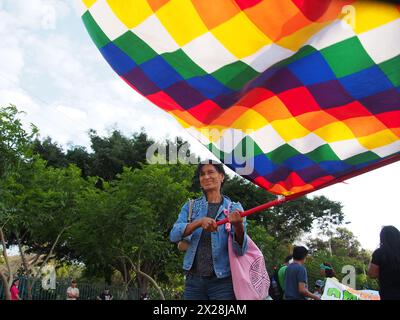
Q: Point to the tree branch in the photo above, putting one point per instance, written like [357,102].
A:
[38,273]
[22,254]
[124,269]
[137,270]
[5,255]
[6,287]
[8,218]
[35,260]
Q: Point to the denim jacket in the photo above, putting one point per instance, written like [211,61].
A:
[219,238]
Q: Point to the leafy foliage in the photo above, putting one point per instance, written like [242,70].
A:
[15,142]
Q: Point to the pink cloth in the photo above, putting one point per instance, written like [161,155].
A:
[249,275]
[14,293]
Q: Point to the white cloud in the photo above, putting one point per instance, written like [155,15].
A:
[11,54]
[11,63]
[37,14]
[54,57]
[19,98]
[73,113]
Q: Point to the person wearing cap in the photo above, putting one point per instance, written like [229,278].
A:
[326,270]
[319,284]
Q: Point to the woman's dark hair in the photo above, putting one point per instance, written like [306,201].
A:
[288,258]
[329,271]
[390,246]
[299,253]
[218,166]
[14,281]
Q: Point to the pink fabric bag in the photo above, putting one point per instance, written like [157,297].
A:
[249,274]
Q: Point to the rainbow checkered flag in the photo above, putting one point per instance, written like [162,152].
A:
[292,94]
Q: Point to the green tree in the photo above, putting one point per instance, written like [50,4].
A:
[15,152]
[126,225]
[51,152]
[79,156]
[15,141]
[108,157]
[346,250]
[345,243]
[342,242]
[111,154]
[45,205]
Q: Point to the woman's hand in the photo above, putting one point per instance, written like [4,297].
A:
[209,224]
[206,223]
[236,219]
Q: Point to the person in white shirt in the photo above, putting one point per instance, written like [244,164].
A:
[73,291]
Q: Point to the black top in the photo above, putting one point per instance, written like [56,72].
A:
[389,277]
[203,263]
[104,296]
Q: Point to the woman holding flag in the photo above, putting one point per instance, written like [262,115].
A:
[206,262]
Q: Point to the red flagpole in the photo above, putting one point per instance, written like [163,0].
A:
[276,202]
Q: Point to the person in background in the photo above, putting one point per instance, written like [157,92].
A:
[318,290]
[105,295]
[327,271]
[14,290]
[275,291]
[73,291]
[144,296]
[296,280]
[282,272]
[385,264]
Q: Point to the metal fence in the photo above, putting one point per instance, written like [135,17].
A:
[87,291]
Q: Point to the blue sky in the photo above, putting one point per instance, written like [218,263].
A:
[50,68]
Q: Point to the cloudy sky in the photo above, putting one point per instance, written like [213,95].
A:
[50,68]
